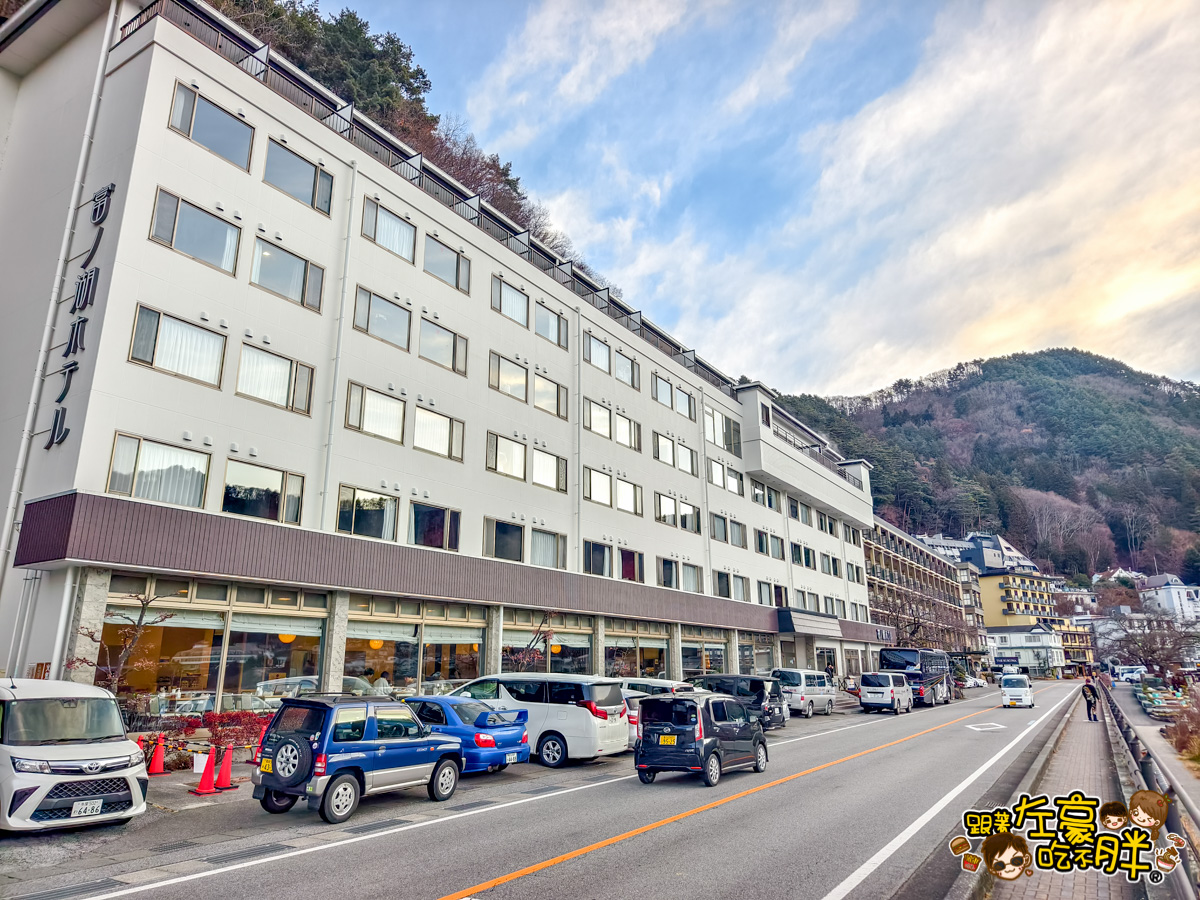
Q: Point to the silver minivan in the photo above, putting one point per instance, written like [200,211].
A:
[885,690]
[65,758]
[806,691]
[570,716]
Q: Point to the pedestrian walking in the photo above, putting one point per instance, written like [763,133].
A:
[1091,697]
[829,670]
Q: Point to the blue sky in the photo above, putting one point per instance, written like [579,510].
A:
[832,195]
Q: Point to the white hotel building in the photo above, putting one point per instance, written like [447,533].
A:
[336,416]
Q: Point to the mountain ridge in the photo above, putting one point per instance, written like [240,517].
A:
[1078,458]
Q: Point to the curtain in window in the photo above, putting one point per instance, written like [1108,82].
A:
[383,416]
[278,271]
[170,475]
[514,304]
[265,375]
[691,579]
[394,233]
[188,350]
[432,432]
[204,236]
[543,549]
[375,515]
[545,469]
[120,479]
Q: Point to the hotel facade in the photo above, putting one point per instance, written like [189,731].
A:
[331,416]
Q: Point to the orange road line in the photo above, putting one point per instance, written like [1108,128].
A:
[608,842]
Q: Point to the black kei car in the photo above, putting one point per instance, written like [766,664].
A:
[762,697]
[697,733]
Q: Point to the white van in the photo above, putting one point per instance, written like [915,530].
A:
[885,690]
[806,691]
[570,716]
[1016,690]
[1131,674]
[65,758]
[656,685]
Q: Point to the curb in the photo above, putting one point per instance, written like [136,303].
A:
[973,886]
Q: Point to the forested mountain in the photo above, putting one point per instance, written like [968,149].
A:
[1078,459]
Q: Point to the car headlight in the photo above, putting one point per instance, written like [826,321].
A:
[34,766]
[136,759]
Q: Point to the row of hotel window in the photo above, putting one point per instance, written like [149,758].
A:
[149,470]
[213,240]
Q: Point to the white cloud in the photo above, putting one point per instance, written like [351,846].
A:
[800,25]
[561,61]
[1035,183]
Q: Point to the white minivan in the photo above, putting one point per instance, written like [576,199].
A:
[1016,690]
[806,691]
[885,691]
[65,758]
[570,716]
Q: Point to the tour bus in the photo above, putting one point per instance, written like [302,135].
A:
[928,671]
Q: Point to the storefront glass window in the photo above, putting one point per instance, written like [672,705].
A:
[620,657]
[449,657]
[746,659]
[827,656]
[571,654]
[173,666]
[273,656]
[703,659]
[382,657]
[652,658]
[522,651]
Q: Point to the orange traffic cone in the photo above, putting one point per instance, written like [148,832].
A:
[225,776]
[156,761]
[206,780]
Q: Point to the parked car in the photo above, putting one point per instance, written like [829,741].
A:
[705,734]
[1016,690]
[492,739]
[761,695]
[806,690]
[1131,674]
[633,700]
[570,716]
[65,758]
[656,685]
[334,749]
[885,690]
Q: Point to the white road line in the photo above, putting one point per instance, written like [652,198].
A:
[301,851]
[862,872]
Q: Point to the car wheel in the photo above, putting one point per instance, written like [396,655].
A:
[808,712]
[443,781]
[552,751]
[276,802]
[895,707]
[910,706]
[760,758]
[293,762]
[829,708]
[340,800]
[647,776]
[712,770]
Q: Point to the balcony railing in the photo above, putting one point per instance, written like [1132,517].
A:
[262,64]
[807,449]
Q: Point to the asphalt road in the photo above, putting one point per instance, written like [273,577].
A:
[850,805]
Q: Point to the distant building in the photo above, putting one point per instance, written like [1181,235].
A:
[989,552]
[917,590]
[1113,574]
[1168,594]
[1037,647]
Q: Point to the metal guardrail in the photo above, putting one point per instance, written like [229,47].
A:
[794,442]
[263,65]
[1183,817]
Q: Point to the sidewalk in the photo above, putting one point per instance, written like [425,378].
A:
[1083,761]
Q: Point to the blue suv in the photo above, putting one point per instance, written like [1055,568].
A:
[334,749]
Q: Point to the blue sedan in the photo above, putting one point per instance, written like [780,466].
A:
[492,739]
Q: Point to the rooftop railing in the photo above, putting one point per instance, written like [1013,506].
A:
[807,449]
[325,108]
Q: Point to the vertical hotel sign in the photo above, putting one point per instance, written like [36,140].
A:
[85,295]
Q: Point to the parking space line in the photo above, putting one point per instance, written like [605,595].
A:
[855,878]
[608,842]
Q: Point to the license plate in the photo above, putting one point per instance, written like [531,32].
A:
[86,808]
[510,757]
[666,739]
[265,766]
